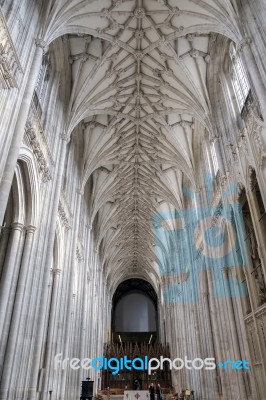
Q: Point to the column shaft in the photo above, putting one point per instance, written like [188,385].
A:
[9,282]
[52,325]
[16,317]
[33,379]
[4,240]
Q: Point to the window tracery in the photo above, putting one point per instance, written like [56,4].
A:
[239,78]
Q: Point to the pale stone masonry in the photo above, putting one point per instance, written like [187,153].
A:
[113,113]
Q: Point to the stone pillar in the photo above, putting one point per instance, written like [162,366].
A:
[19,371]
[51,332]
[85,302]
[239,387]
[9,282]
[10,356]
[33,379]
[71,307]
[211,376]
[3,245]
[217,334]
[18,134]
[69,387]
[62,374]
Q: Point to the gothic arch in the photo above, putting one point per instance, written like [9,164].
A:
[28,186]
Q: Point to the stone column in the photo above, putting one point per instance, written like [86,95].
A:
[9,282]
[84,307]
[207,337]
[217,334]
[3,245]
[66,310]
[23,357]
[239,388]
[33,379]
[18,134]
[69,389]
[10,356]
[51,332]
[71,303]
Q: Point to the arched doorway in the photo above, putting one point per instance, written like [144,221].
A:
[134,317]
[135,335]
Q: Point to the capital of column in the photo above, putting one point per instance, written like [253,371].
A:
[42,44]
[80,191]
[30,229]
[17,226]
[243,43]
[214,139]
[65,137]
[5,229]
[56,271]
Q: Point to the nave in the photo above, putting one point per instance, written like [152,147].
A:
[132,197]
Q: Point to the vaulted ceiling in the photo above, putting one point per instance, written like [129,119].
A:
[139,73]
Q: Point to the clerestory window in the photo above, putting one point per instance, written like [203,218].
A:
[42,84]
[214,158]
[239,78]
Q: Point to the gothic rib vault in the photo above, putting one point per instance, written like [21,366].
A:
[139,89]
[133,160]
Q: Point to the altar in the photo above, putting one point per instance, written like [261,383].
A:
[136,395]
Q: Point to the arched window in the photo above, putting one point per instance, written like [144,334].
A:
[41,86]
[210,157]
[214,158]
[239,78]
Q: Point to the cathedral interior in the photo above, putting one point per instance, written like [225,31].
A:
[132,195]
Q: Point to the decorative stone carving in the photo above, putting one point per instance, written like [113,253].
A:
[139,55]
[139,34]
[256,263]
[10,67]
[105,13]
[79,254]
[176,11]
[190,37]
[63,216]
[37,143]
[244,42]
[254,127]
[42,44]
[139,13]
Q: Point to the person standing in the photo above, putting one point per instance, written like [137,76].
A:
[136,384]
[152,392]
[159,392]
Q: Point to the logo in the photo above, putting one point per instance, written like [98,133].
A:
[146,364]
[202,237]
